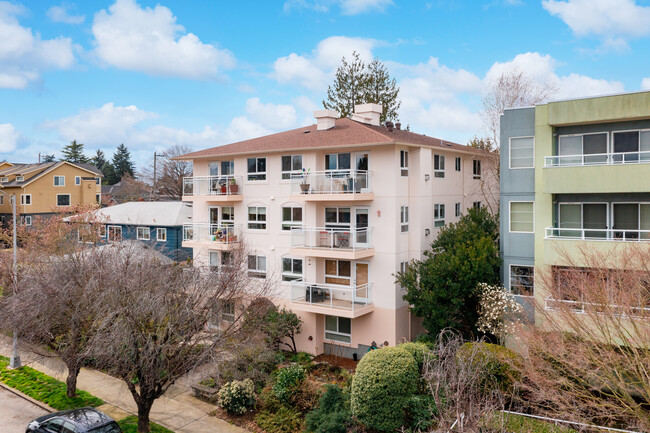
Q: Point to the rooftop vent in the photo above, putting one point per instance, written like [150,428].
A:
[325,119]
[367,113]
[398,126]
[389,126]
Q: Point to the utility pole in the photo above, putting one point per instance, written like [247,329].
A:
[153,187]
[14,361]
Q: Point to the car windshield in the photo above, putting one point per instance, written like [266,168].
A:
[108,428]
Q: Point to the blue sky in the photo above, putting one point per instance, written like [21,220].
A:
[204,73]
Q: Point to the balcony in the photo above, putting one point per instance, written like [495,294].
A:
[214,188]
[641,157]
[331,243]
[620,235]
[332,185]
[214,236]
[332,299]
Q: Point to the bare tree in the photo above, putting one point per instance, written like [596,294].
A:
[169,172]
[591,362]
[162,321]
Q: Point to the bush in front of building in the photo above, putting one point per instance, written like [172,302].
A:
[502,366]
[287,381]
[384,382]
[333,412]
[237,397]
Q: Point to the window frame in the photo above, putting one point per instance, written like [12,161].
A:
[77,180]
[510,280]
[404,219]
[288,225]
[510,152]
[438,161]
[346,338]
[457,210]
[338,271]
[404,162]
[228,310]
[56,177]
[23,199]
[256,176]
[27,220]
[20,178]
[102,231]
[289,276]
[293,170]
[476,174]
[4,179]
[510,216]
[257,221]
[98,180]
[160,230]
[458,164]
[64,205]
[146,233]
[438,215]
[338,168]
[108,232]
[256,272]
[477,205]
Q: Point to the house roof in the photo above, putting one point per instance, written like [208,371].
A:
[148,213]
[345,133]
[34,171]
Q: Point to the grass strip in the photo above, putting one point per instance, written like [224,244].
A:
[522,424]
[130,425]
[44,388]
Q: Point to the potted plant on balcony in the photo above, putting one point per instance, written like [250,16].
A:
[233,188]
[304,186]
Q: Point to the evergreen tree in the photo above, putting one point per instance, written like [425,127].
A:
[110,178]
[122,162]
[99,160]
[74,152]
[48,158]
[381,89]
[348,88]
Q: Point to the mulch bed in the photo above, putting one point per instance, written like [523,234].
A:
[337,361]
[245,421]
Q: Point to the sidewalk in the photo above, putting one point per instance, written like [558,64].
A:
[177,410]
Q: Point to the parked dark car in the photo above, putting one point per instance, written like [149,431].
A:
[84,420]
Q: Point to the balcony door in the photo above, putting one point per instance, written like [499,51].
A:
[361,281]
[588,219]
[361,221]
[631,221]
[362,166]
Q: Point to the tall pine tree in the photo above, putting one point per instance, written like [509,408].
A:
[122,162]
[99,159]
[74,152]
[381,89]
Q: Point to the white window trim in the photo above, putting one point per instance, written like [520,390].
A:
[20,178]
[457,210]
[77,180]
[404,222]
[291,224]
[439,170]
[147,231]
[98,180]
[474,175]
[265,222]
[291,274]
[102,229]
[228,317]
[63,205]
[337,332]
[441,206]
[161,230]
[257,173]
[54,180]
[290,172]
[510,154]
[259,273]
[27,220]
[23,201]
[108,230]
[510,279]
[510,215]
[404,168]
[4,179]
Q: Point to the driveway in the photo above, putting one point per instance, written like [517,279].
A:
[16,413]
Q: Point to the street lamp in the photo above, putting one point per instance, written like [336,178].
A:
[14,360]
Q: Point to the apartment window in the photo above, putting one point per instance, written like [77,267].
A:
[63,199]
[58,180]
[438,215]
[291,217]
[578,219]
[522,217]
[114,233]
[476,168]
[77,180]
[143,233]
[457,209]
[291,269]
[522,280]
[338,329]
[256,168]
[404,219]
[337,161]
[338,272]
[629,143]
[257,266]
[476,205]
[4,179]
[457,163]
[26,220]
[337,217]
[227,216]
[257,217]
[98,198]
[592,147]
[102,231]
[161,234]
[228,311]
[20,178]
[25,199]
[227,168]
[214,168]
[438,165]
[631,220]
[404,162]
[403,266]
[98,180]
[522,152]
[291,164]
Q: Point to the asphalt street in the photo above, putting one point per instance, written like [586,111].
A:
[16,413]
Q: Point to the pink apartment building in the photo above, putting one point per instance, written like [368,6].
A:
[333,211]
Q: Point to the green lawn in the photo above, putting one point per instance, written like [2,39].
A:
[522,424]
[44,388]
[130,425]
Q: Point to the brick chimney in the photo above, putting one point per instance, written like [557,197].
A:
[325,119]
[367,113]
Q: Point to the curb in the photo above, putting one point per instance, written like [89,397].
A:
[28,398]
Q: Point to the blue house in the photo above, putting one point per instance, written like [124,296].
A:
[157,224]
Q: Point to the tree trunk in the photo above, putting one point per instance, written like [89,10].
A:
[144,407]
[71,380]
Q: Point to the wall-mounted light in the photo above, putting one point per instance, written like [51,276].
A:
[427,177]
[378,213]
[427,232]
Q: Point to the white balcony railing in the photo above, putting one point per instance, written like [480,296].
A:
[598,234]
[331,182]
[597,159]
[217,233]
[352,239]
[332,296]
[212,185]
[582,307]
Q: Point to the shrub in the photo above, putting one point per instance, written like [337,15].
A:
[333,412]
[237,397]
[420,410]
[417,350]
[301,358]
[503,366]
[255,363]
[384,382]
[284,420]
[287,381]
[305,397]
[268,400]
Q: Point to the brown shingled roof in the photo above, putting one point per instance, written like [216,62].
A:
[346,133]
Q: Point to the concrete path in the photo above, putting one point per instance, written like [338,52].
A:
[177,410]
[16,413]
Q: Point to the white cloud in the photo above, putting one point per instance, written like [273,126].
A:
[316,70]
[645,84]
[613,20]
[23,55]
[348,7]
[271,116]
[149,40]
[8,138]
[60,14]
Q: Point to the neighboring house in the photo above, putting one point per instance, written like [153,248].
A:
[372,199]
[156,224]
[575,175]
[42,188]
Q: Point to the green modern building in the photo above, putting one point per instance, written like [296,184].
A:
[575,178]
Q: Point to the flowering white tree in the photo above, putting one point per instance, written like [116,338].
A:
[498,311]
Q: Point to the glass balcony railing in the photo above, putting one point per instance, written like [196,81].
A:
[642,157]
[352,239]
[623,235]
[218,233]
[331,296]
[331,182]
[212,185]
